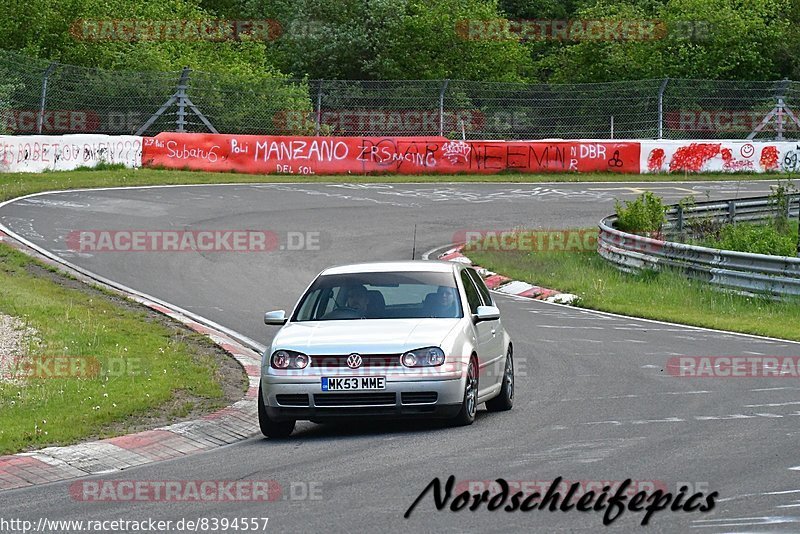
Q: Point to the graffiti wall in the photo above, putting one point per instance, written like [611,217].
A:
[37,153]
[719,156]
[376,155]
[391,155]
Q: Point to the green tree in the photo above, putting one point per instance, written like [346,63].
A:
[788,56]
[234,82]
[390,39]
[714,39]
[53,30]
[431,41]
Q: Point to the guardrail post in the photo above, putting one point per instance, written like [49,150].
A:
[731,211]
[680,219]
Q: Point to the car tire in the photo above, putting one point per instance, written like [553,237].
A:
[269,427]
[469,404]
[505,400]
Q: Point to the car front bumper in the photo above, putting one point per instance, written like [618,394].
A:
[305,400]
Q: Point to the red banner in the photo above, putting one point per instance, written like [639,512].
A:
[257,154]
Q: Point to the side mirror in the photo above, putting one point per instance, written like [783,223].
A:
[277,318]
[487,313]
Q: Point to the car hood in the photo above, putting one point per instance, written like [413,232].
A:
[365,336]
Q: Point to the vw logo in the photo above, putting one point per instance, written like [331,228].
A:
[354,361]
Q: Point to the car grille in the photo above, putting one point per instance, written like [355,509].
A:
[419,397]
[369,360]
[300,399]
[354,399]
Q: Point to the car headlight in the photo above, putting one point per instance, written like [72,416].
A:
[289,359]
[427,357]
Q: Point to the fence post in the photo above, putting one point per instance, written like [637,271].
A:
[661,108]
[181,94]
[43,99]
[442,90]
[780,106]
[318,119]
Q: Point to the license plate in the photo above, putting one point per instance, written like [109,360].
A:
[351,383]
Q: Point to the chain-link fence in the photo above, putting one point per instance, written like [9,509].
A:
[38,96]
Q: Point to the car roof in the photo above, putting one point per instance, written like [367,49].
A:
[394,266]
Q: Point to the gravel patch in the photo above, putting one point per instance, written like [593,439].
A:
[15,339]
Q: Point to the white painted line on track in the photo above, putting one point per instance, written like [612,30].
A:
[44,252]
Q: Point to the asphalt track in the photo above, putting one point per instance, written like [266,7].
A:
[593,399]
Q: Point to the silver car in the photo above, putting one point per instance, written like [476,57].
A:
[390,339]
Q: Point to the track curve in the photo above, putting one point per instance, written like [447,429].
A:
[593,401]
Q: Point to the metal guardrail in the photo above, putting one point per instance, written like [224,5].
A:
[752,209]
[759,274]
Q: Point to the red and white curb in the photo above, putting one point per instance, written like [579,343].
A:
[503,284]
[228,425]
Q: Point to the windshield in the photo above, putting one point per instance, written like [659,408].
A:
[380,296]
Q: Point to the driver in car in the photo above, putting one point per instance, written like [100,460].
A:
[446,303]
[357,299]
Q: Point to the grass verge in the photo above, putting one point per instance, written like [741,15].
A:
[17,184]
[663,296]
[104,366]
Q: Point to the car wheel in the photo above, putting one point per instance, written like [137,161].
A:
[270,427]
[469,405]
[505,400]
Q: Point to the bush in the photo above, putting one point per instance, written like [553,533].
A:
[646,214]
[779,199]
[757,239]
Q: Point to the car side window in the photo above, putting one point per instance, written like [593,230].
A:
[473,297]
[482,289]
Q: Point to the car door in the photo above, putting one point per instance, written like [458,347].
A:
[483,335]
[496,360]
